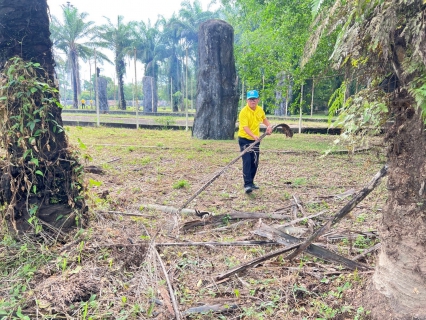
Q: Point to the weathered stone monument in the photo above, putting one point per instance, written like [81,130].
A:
[150,96]
[102,93]
[103,101]
[217,99]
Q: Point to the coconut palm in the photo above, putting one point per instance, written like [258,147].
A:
[70,36]
[119,38]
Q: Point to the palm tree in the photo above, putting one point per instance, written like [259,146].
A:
[61,68]
[180,37]
[383,43]
[149,46]
[41,176]
[69,37]
[191,17]
[150,50]
[118,38]
[172,39]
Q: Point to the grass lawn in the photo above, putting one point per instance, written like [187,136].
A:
[120,118]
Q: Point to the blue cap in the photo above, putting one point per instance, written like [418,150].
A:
[252,94]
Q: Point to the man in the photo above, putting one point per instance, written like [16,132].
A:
[83,103]
[250,118]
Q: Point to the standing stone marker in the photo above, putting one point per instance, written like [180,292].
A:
[103,101]
[149,90]
[217,98]
[102,92]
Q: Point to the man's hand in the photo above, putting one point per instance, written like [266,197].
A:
[269,130]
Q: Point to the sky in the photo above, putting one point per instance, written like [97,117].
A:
[141,10]
[130,9]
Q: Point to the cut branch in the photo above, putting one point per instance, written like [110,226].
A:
[367,251]
[113,160]
[167,209]
[214,243]
[127,214]
[311,224]
[343,212]
[232,216]
[303,246]
[231,226]
[281,237]
[256,261]
[302,219]
[169,285]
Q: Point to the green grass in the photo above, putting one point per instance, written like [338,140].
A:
[299,142]
[165,167]
[181,184]
[19,262]
[143,138]
[172,120]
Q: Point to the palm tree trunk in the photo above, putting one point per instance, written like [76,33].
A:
[174,75]
[400,274]
[119,67]
[78,80]
[24,33]
[74,90]
[217,89]
[16,26]
[74,78]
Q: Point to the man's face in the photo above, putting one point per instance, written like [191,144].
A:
[252,102]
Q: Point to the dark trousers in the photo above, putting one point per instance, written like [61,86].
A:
[250,160]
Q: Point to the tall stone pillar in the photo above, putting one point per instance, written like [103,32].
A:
[103,100]
[150,96]
[217,98]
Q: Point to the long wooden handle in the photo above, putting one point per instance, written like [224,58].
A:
[217,175]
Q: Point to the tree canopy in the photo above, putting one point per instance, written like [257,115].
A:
[162,46]
[119,39]
[71,36]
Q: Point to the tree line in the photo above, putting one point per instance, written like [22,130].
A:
[163,47]
[168,51]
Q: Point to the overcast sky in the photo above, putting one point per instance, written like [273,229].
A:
[141,10]
[130,9]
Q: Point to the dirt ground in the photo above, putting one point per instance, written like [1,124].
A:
[113,268]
